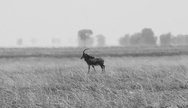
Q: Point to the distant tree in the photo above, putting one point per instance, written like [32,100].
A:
[89,42]
[145,37]
[100,40]
[165,39]
[19,41]
[136,39]
[125,40]
[180,40]
[148,37]
[84,37]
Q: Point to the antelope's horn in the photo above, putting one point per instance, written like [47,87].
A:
[85,50]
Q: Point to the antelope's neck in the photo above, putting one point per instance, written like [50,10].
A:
[87,60]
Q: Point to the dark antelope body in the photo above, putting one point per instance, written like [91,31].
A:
[92,61]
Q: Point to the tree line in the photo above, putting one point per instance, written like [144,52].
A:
[145,37]
[85,38]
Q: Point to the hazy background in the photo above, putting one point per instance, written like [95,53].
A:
[57,22]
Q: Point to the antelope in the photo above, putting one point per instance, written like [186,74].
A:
[93,61]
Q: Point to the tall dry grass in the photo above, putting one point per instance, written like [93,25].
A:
[129,82]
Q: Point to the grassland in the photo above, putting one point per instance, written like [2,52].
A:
[63,82]
[132,51]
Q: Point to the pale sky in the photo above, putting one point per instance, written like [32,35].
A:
[41,20]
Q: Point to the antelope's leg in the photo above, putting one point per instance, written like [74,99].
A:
[88,68]
[103,67]
[93,67]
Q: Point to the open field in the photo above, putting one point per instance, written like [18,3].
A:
[129,82]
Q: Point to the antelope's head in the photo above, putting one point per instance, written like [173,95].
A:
[84,54]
